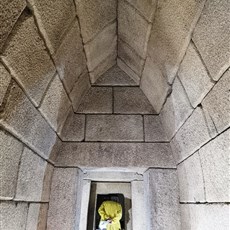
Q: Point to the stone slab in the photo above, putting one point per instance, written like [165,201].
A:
[191,181]
[25,49]
[30,177]
[215,157]
[131,100]
[54,19]
[191,136]
[114,128]
[94,15]
[22,119]
[116,155]
[153,128]
[10,154]
[97,100]
[176,109]
[194,76]
[212,37]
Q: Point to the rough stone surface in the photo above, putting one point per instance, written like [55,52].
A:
[114,128]
[62,207]
[54,19]
[55,104]
[22,119]
[216,105]
[11,150]
[131,100]
[130,57]
[164,199]
[194,76]
[212,37]
[97,100]
[205,216]
[215,157]
[94,15]
[191,136]
[13,215]
[70,58]
[135,34]
[115,77]
[154,85]
[171,32]
[73,129]
[116,155]
[153,128]
[191,180]
[176,110]
[26,57]
[10,12]
[102,46]
[30,177]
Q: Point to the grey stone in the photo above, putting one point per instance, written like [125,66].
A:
[30,177]
[26,57]
[114,128]
[115,77]
[102,46]
[194,76]
[79,90]
[191,136]
[191,181]
[74,128]
[215,158]
[154,85]
[70,58]
[212,37]
[13,215]
[130,57]
[163,199]
[216,105]
[55,104]
[10,154]
[131,100]
[135,34]
[10,12]
[62,206]
[176,110]
[97,100]
[21,118]
[154,131]
[116,155]
[54,19]
[5,79]
[94,15]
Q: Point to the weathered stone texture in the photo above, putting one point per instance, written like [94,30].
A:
[97,100]
[26,57]
[70,58]
[176,109]
[215,158]
[22,119]
[154,85]
[13,215]
[54,19]
[191,180]
[114,128]
[212,37]
[30,177]
[194,76]
[55,104]
[94,15]
[131,100]
[191,136]
[10,154]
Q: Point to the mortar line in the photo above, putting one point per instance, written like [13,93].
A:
[204,203]
[85,126]
[143,123]
[117,114]
[115,142]
[113,100]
